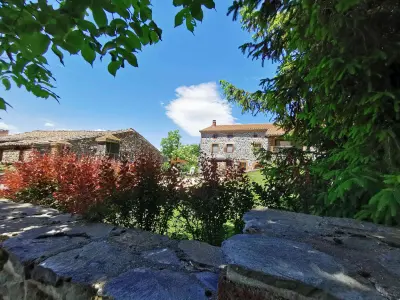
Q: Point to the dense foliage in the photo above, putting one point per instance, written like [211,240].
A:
[136,193]
[218,197]
[115,29]
[173,149]
[337,91]
[170,144]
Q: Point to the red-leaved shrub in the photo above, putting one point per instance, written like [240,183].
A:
[63,180]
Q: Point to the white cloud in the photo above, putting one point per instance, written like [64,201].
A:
[196,106]
[100,130]
[9,127]
[49,124]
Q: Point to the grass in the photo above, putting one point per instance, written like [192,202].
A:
[256,176]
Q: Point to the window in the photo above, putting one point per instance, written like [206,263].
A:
[257,146]
[230,136]
[112,149]
[282,143]
[214,148]
[215,136]
[229,148]
[255,135]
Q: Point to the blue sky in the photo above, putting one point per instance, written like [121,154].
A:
[175,87]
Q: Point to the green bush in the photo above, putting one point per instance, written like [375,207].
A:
[220,197]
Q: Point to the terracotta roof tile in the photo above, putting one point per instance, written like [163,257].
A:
[269,128]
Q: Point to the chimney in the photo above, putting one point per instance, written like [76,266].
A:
[3,132]
[214,123]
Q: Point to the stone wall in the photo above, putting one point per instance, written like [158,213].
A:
[131,143]
[285,255]
[48,255]
[10,156]
[242,143]
[281,256]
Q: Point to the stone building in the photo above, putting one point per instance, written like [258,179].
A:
[229,143]
[18,147]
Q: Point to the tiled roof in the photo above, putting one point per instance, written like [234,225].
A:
[269,128]
[39,137]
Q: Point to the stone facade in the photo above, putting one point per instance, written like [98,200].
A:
[10,156]
[13,148]
[242,146]
[236,143]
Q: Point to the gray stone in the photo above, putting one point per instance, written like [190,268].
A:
[142,283]
[163,256]
[48,255]
[298,262]
[139,240]
[366,250]
[209,280]
[94,263]
[391,261]
[202,253]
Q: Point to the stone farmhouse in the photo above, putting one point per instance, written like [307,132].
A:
[18,147]
[229,143]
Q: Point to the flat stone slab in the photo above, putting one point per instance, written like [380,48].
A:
[202,253]
[163,256]
[297,262]
[139,284]
[368,252]
[45,254]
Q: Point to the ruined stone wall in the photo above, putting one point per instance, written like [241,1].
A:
[242,143]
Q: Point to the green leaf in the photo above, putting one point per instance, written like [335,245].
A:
[132,60]
[154,37]
[134,40]
[6,83]
[37,42]
[108,46]
[118,23]
[113,67]
[75,38]
[99,16]
[85,25]
[88,53]
[196,11]
[177,2]
[57,52]
[136,27]
[145,13]
[190,23]
[3,104]
[145,37]
[179,18]
[209,4]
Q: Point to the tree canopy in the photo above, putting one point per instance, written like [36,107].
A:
[114,30]
[170,144]
[337,90]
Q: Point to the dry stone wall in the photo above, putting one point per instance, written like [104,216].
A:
[285,255]
[45,254]
[48,255]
